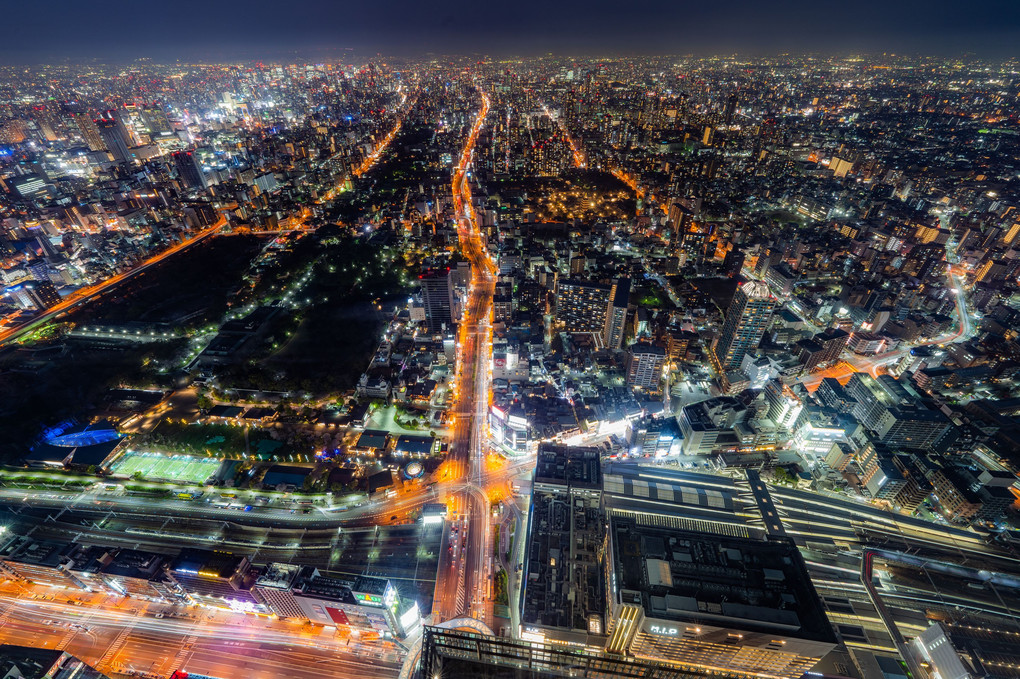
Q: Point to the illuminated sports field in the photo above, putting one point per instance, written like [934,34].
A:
[153,466]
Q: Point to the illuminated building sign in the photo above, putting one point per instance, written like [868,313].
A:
[242,606]
[663,630]
[369,599]
[532,634]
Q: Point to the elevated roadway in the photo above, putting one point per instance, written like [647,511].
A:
[80,297]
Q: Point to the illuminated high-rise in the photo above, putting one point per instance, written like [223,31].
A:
[115,138]
[582,306]
[89,132]
[189,169]
[439,298]
[747,318]
[39,295]
[644,365]
[616,314]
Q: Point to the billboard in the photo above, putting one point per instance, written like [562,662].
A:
[338,616]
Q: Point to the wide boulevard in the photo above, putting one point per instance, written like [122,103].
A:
[463,583]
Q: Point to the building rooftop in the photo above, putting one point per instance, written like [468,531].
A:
[757,585]
[207,563]
[568,466]
[225,411]
[563,571]
[286,474]
[278,576]
[416,445]
[647,348]
[27,550]
[367,585]
[325,587]
[756,290]
[127,563]
[25,662]
[373,438]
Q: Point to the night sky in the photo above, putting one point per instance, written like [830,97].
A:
[77,30]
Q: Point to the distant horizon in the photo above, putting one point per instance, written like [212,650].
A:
[219,31]
[360,57]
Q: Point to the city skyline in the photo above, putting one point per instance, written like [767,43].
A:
[671,365]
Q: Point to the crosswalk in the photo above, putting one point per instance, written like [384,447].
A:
[70,634]
[184,653]
[118,643]
[461,600]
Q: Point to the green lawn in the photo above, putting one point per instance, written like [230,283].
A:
[179,468]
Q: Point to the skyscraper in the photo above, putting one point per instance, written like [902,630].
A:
[731,108]
[616,315]
[89,132]
[115,138]
[437,296]
[747,318]
[582,307]
[189,169]
[644,366]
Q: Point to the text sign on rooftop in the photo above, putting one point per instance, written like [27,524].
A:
[663,630]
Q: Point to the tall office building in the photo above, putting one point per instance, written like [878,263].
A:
[747,319]
[115,138]
[695,242]
[616,314]
[733,262]
[644,366]
[898,419]
[438,298]
[89,132]
[770,256]
[731,109]
[189,169]
[582,307]
[681,219]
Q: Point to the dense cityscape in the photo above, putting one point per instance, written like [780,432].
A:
[511,367]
